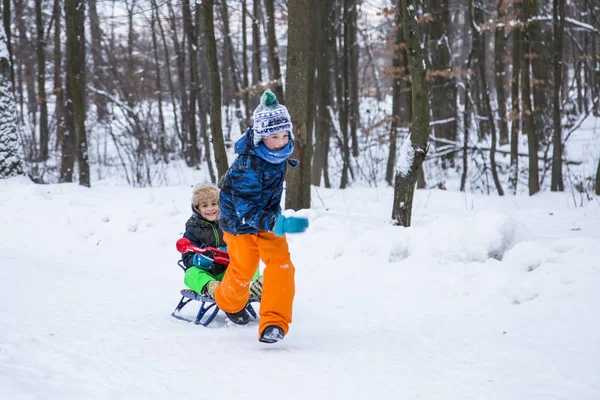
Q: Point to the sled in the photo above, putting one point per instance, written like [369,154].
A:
[208,308]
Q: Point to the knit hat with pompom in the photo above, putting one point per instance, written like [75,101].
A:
[270,117]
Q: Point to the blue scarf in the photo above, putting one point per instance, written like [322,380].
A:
[274,156]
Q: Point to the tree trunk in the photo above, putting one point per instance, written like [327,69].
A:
[443,85]
[215,89]
[204,95]
[479,45]
[7,29]
[528,119]
[398,77]
[598,179]
[298,179]
[231,70]
[558,18]
[168,74]
[323,122]
[26,52]
[499,65]
[186,113]
[58,82]
[158,91]
[245,82]
[416,149]
[41,80]
[193,154]
[353,82]
[11,157]
[540,39]
[515,128]
[99,78]
[341,55]
[75,14]
[272,52]
[467,122]
[256,56]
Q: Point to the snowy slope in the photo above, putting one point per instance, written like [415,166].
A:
[483,298]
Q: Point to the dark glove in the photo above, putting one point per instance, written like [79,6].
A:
[290,225]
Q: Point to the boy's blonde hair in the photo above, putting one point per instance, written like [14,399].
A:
[205,194]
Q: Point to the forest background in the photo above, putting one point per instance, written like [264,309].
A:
[497,97]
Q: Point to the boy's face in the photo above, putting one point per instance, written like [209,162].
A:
[277,141]
[209,210]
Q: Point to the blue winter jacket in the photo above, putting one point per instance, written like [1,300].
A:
[251,190]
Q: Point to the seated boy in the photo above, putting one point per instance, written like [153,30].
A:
[202,275]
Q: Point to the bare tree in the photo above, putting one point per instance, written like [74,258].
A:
[231,71]
[256,54]
[415,149]
[476,17]
[193,155]
[558,19]
[58,81]
[323,122]
[74,13]
[41,80]
[529,123]
[400,74]
[98,78]
[516,33]
[245,82]
[598,179]
[215,89]
[298,180]
[442,83]
[272,52]
[7,28]
[499,71]
[351,46]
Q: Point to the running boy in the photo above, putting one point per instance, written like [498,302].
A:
[253,225]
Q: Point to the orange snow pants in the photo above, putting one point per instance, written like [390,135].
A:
[278,287]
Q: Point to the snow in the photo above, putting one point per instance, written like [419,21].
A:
[483,298]
[406,156]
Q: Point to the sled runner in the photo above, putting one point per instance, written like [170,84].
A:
[208,308]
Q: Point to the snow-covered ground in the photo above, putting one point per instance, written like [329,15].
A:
[483,298]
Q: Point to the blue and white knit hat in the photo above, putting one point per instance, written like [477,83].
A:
[270,117]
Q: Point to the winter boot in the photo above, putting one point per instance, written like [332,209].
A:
[271,334]
[241,317]
[209,289]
